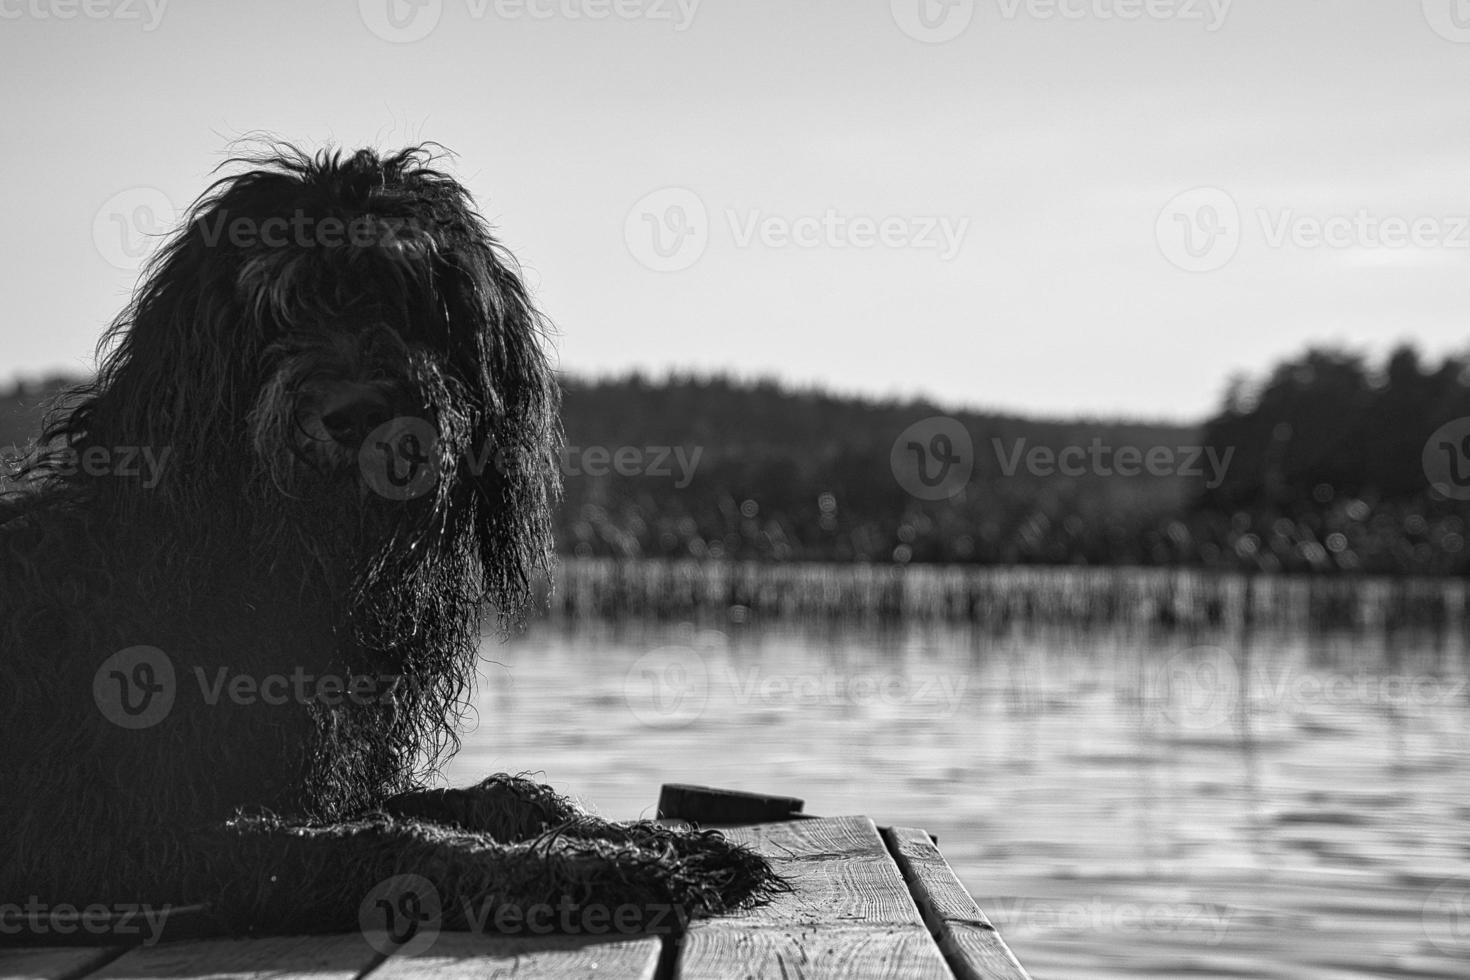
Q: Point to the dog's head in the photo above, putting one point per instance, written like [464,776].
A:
[337,342]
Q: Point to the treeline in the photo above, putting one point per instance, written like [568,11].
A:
[808,475]
[1341,464]
[1317,466]
[1328,463]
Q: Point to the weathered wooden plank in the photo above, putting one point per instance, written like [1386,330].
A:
[277,957]
[820,838]
[839,870]
[468,956]
[970,942]
[55,963]
[727,950]
[849,913]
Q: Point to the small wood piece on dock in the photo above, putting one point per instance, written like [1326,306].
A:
[725,807]
[865,902]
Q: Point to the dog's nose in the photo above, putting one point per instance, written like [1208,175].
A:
[350,412]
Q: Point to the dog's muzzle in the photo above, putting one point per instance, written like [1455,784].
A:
[348,412]
[334,419]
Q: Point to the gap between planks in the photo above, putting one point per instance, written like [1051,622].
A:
[965,936]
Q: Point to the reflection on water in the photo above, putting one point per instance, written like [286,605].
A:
[1123,804]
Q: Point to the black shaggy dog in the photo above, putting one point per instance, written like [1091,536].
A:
[241,581]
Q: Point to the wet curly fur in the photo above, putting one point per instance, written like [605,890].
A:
[259,361]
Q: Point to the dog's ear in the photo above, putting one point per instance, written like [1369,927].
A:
[513,468]
[170,376]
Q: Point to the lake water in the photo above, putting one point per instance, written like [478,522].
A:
[1123,804]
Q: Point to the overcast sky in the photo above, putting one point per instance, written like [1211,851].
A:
[974,201]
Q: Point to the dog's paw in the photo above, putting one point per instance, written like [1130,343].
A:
[507,808]
[695,872]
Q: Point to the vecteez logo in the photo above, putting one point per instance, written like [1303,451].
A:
[400,21]
[933,459]
[670,229]
[148,13]
[1446,459]
[1199,230]
[1450,19]
[130,225]
[667,687]
[135,687]
[667,230]
[1100,459]
[1211,14]
[399,460]
[401,916]
[1203,230]
[932,21]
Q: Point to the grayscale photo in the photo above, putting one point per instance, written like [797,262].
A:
[673,489]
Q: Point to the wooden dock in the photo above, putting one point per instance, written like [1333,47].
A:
[865,903]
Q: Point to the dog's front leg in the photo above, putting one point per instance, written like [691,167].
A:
[514,808]
[507,808]
[267,874]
